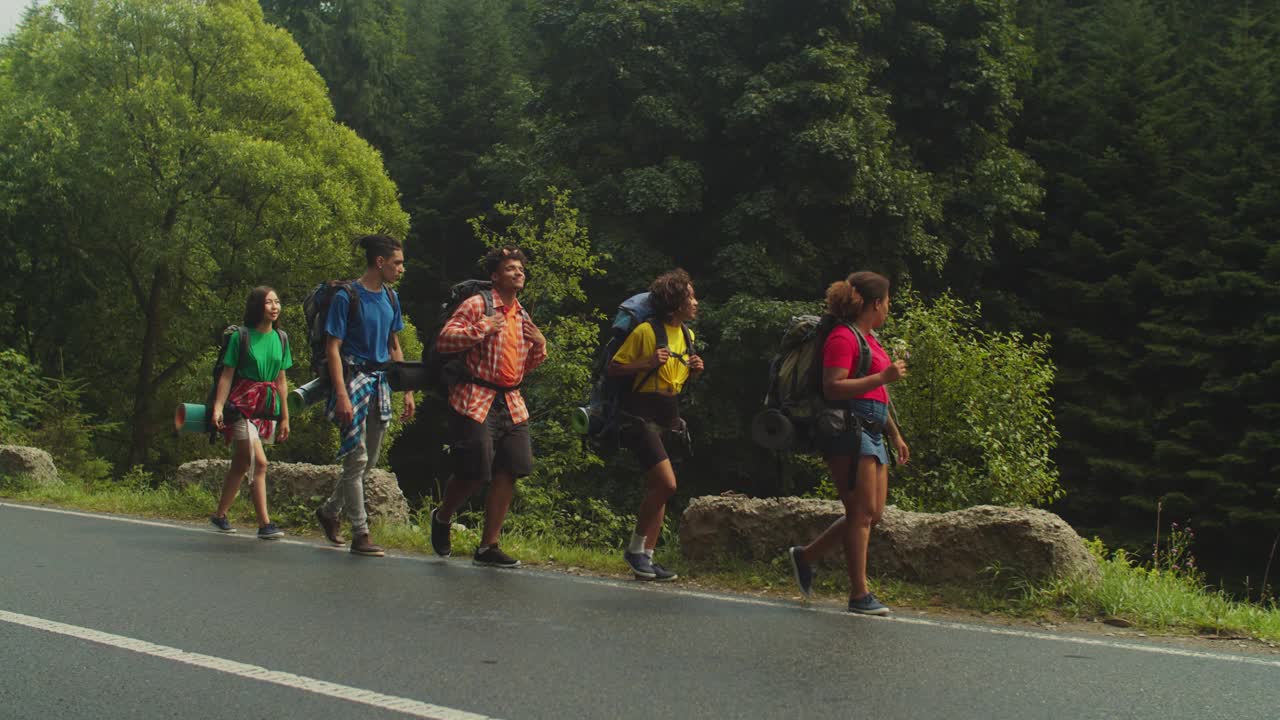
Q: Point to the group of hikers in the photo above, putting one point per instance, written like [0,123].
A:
[498,344]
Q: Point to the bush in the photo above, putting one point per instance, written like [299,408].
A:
[46,412]
[975,408]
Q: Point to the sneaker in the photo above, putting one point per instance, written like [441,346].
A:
[361,545]
[493,557]
[641,564]
[660,573]
[868,605]
[440,540]
[221,523]
[330,527]
[802,571]
[270,532]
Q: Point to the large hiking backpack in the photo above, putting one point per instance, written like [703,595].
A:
[598,421]
[315,308]
[794,399]
[444,370]
[230,414]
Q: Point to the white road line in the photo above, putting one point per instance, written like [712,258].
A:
[407,706]
[746,600]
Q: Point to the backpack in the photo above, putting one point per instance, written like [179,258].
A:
[598,420]
[230,414]
[315,308]
[795,397]
[444,370]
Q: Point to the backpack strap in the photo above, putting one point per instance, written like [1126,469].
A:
[660,342]
[353,304]
[241,332]
[284,341]
[864,351]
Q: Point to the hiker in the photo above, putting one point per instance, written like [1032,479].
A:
[252,386]
[652,408]
[856,460]
[360,399]
[489,423]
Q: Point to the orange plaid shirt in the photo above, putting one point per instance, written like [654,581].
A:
[465,332]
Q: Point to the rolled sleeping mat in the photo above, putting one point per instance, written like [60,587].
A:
[192,418]
[772,429]
[407,376]
[308,394]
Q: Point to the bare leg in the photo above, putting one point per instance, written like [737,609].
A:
[235,474]
[455,494]
[501,490]
[840,466]
[861,508]
[258,490]
[661,483]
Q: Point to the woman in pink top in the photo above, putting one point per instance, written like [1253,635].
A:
[856,459]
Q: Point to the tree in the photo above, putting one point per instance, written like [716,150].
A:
[157,159]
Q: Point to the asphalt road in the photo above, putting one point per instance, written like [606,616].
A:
[108,618]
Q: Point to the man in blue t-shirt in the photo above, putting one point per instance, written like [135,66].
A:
[360,404]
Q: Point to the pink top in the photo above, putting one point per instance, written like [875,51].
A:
[841,351]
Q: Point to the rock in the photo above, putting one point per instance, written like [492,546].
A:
[1022,543]
[302,483]
[33,463]
[1118,622]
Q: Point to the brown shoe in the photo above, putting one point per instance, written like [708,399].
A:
[361,545]
[330,527]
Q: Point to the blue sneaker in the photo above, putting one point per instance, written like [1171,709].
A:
[270,532]
[868,605]
[221,524]
[660,573]
[641,564]
[802,571]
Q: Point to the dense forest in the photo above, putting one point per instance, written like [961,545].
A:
[1078,202]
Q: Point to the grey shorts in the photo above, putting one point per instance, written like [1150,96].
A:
[480,449]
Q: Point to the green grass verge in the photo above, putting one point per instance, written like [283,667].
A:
[1150,600]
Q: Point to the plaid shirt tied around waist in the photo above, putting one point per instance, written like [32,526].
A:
[465,332]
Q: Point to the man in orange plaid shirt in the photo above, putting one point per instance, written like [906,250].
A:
[489,423]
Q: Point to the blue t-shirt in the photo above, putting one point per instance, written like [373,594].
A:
[378,319]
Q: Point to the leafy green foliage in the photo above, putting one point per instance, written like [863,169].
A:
[975,409]
[161,158]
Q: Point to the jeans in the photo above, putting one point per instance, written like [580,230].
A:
[348,495]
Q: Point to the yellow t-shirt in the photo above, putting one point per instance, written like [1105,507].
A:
[641,344]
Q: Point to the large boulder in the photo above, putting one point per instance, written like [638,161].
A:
[32,463]
[301,483]
[1021,543]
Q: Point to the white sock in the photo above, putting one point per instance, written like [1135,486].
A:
[637,544]
[649,553]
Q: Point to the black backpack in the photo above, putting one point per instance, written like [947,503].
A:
[315,307]
[795,397]
[230,414]
[444,370]
[598,421]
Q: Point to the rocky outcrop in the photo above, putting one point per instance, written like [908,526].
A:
[33,463]
[1020,543]
[305,484]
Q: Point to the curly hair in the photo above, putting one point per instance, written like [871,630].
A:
[670,292]
[847,298]
[494,258]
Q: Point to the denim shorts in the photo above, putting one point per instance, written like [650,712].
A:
[872,442]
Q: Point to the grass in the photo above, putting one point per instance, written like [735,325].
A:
[1149,599]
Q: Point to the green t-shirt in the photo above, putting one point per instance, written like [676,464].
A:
[266,357]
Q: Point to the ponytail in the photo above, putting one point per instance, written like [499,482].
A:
[846,299]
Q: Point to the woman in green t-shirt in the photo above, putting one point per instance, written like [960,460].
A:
[250,396]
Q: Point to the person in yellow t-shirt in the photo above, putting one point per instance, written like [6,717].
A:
[653,407]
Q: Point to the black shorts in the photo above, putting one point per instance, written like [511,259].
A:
[647,418]
[479,449]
